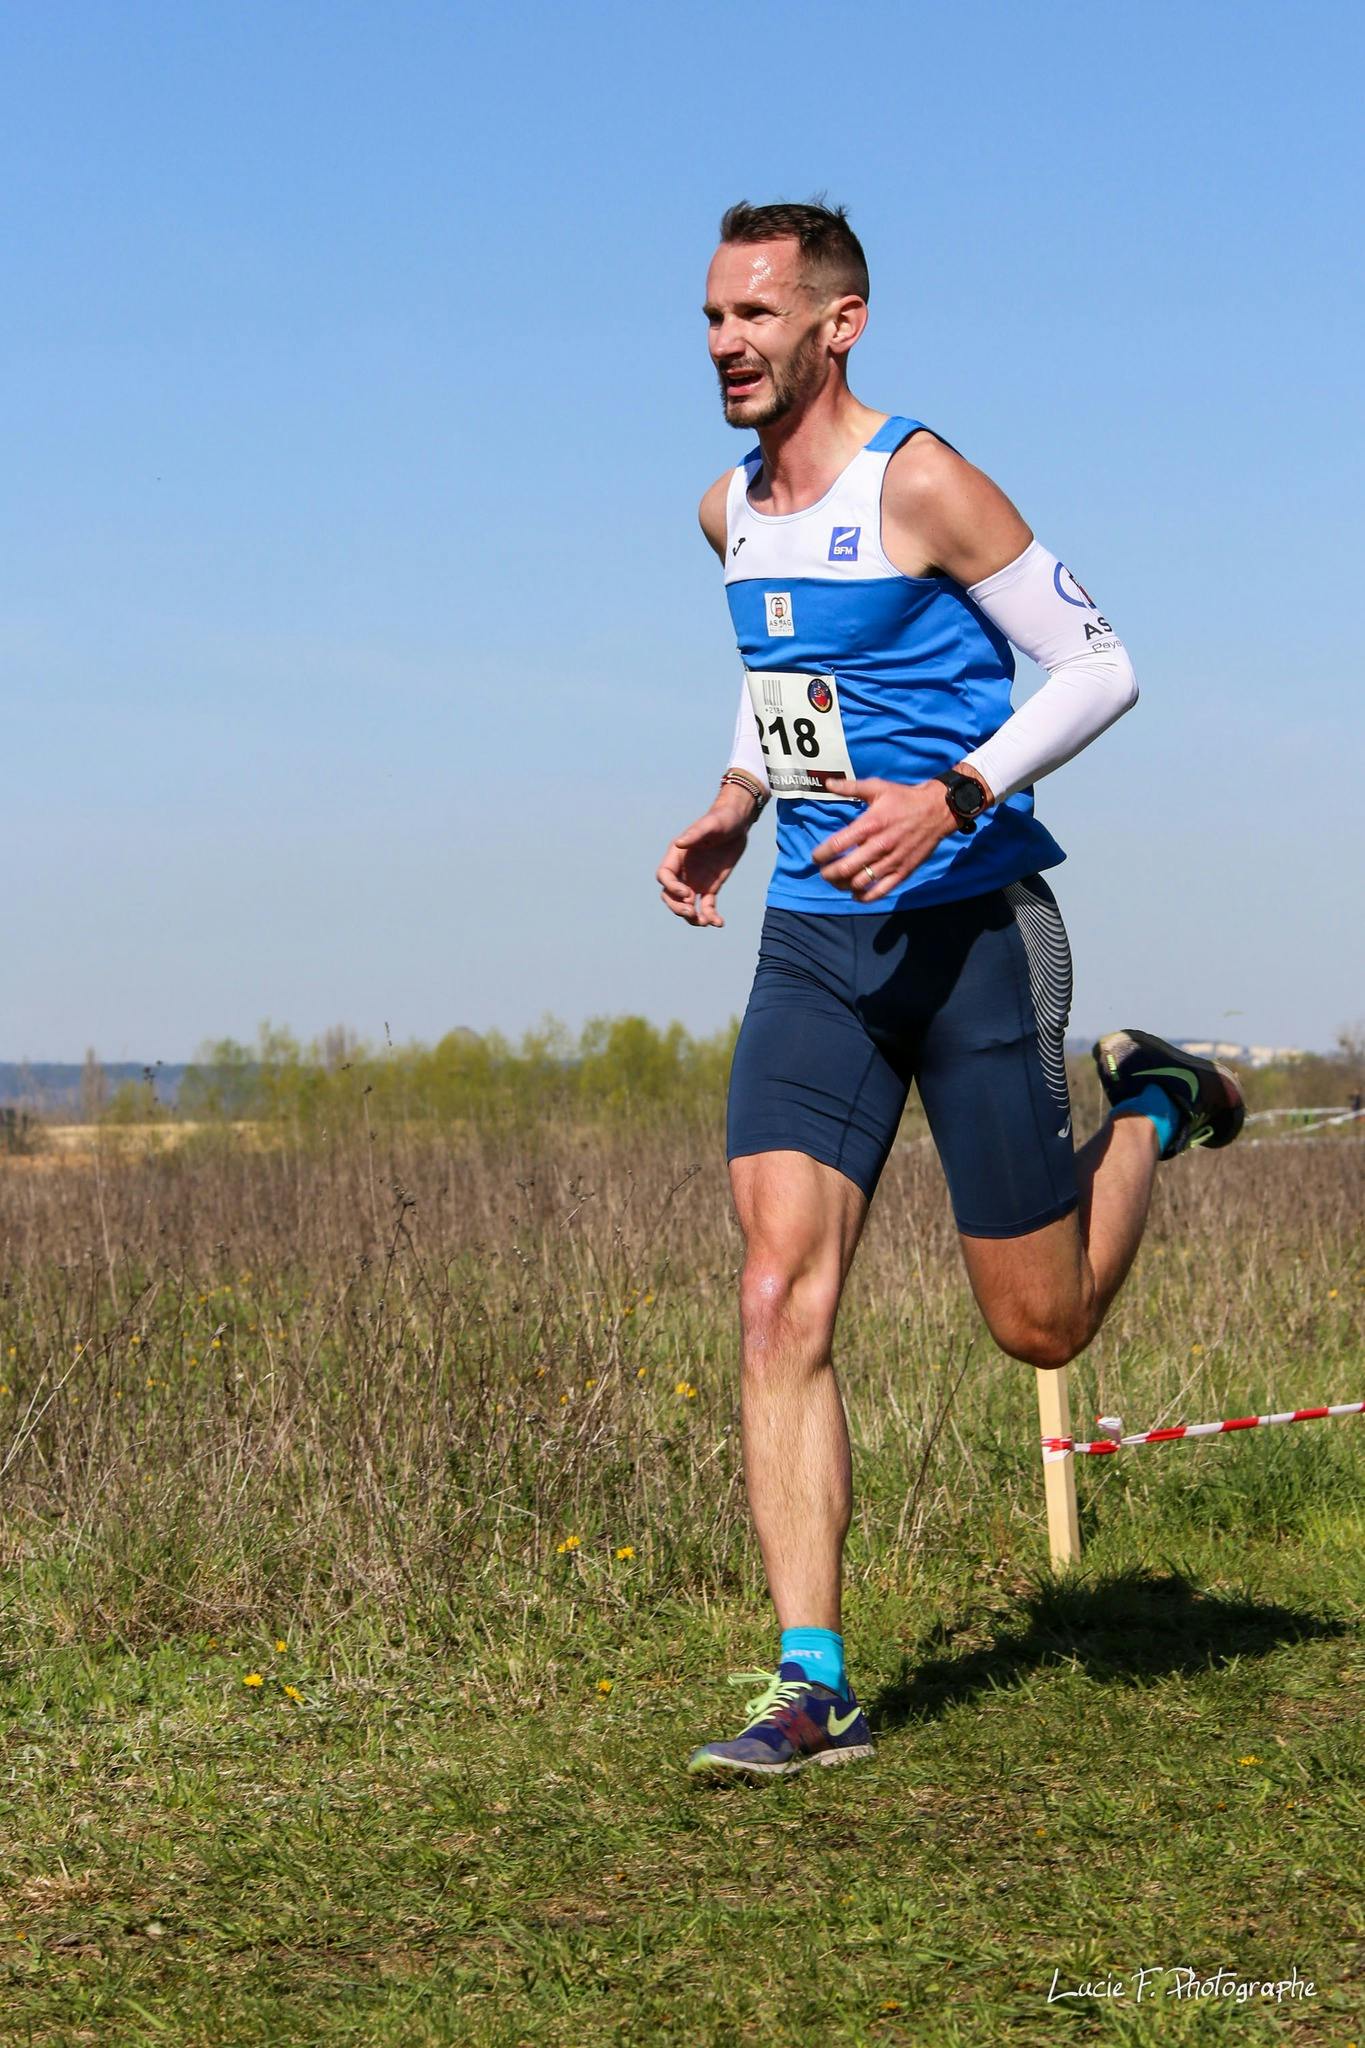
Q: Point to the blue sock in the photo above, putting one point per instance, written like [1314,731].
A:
[1154,1103]
[819,1652]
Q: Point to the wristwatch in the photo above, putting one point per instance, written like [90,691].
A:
[966,798]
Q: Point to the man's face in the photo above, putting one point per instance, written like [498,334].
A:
[765,327]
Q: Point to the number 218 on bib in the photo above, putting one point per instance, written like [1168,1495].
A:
[801,730]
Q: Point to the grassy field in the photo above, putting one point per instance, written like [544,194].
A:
[373,1550]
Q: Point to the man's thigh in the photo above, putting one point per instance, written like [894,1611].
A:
[1029,1285]
[800,1218]
[808,1076]
[992,1077]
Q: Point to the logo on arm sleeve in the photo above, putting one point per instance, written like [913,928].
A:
[1085,602]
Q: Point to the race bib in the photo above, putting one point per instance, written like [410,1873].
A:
[801,730]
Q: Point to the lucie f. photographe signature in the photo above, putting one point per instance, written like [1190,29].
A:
[1182,1981]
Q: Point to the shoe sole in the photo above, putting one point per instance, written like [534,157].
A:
[722,1767]
[1233,1105]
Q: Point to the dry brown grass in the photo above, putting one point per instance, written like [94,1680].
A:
[373,1374]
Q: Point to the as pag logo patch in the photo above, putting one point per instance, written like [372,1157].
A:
[778,605]
[843,543]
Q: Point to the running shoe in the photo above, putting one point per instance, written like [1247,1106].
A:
[791,1723]
[1206,1094]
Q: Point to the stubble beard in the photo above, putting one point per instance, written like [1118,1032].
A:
[793,382]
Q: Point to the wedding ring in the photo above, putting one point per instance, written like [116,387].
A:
[871,874]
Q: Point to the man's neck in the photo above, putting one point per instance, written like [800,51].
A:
[805,451]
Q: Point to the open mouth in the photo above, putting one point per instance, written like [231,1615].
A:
[742,383]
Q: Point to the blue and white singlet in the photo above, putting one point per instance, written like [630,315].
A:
[917,674]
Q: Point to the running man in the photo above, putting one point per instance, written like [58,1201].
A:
[876,582]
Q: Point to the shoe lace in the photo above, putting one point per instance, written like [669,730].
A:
[777,1692]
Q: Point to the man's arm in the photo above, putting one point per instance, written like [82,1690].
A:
[942,516]
[712,513]
[700,860]
[746,748]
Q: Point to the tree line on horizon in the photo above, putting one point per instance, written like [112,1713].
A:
[612,1066]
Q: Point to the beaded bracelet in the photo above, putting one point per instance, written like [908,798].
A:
[745,781]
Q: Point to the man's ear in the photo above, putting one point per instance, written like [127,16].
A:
[847,318]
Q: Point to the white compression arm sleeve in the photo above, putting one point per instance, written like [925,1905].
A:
[1050,617]
[746,750]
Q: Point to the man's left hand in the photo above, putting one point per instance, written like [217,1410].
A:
[900,827]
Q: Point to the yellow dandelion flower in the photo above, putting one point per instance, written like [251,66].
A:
[686,1390]
[151,1383]
[291,1692]
[1195,1350]
[569,1543]
[253,1678]
[194,1358]
[1332,1293]
[281,1645]
[563,1400]
[629,1309]
[4,1390]
[216,1345]
[890,2005]
[604,1685]
[203,1298]
[213,1642]
[639,1372]
[135,1339]
[118,1392]
[625,1550]
[14,1350]
[1248,1759]
[540,1372]
[648,1301]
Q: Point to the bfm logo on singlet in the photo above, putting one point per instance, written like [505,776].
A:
[843,544]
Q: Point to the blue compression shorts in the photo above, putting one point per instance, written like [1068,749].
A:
[968,1000]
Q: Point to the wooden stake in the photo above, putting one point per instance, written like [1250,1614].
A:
[1059,1475]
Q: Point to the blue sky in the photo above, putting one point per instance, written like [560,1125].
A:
[360,649]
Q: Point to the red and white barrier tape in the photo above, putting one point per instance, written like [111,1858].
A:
[1055,1447]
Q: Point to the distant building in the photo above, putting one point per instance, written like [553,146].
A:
[1243,1055]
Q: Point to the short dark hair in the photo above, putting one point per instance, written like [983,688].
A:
[831,254]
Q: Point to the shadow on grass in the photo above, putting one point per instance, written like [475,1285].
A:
[1129,1628]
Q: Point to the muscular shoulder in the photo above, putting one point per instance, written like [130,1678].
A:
[712,513]
[941,515]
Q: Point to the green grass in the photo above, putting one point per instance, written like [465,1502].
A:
[454,1835]
[1140,1769]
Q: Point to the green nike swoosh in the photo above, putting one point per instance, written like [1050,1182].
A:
[837,1727]
[1175,1074]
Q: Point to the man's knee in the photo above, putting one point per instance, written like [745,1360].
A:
[1039,1338]
[786,1307]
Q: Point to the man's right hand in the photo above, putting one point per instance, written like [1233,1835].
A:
[701,859]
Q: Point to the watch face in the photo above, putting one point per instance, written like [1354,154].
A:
[967,798]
